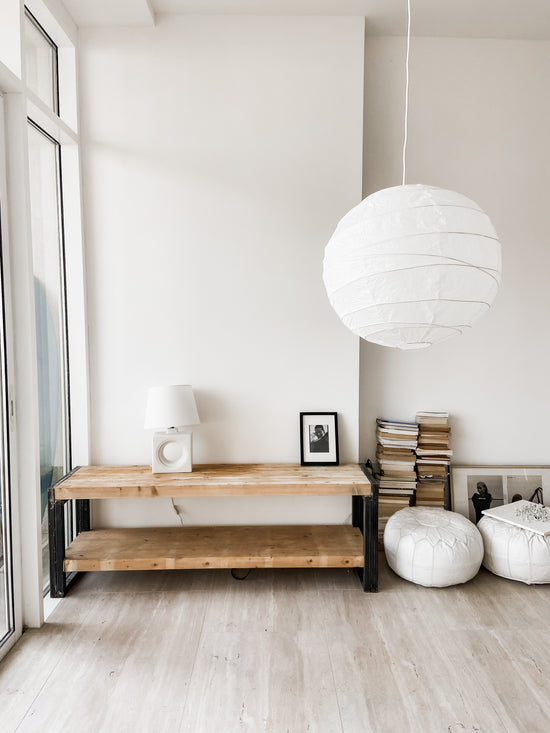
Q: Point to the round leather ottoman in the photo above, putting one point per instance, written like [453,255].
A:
[514,552]
[432,547]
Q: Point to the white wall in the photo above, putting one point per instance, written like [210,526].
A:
[218,155]
[479,122]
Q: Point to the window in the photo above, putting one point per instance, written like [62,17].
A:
[50,315]
[49,67]
[41,60]
[42,162]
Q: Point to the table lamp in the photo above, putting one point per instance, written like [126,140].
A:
[169,409]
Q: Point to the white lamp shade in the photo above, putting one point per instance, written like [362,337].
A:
[412,265]
[171,406]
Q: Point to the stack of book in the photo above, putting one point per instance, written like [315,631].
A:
[433,457]
[395,452]
[388,505]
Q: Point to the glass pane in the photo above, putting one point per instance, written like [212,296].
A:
[50,320]
[41,63]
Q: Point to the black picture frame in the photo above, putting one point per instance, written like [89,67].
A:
[319,439]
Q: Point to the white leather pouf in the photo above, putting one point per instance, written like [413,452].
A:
[514,552]
[432,546]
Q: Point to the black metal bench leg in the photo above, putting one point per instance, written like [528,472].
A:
[357,519]
[364,514]
[82,515]
[357,512]
[56,530]
[370,543]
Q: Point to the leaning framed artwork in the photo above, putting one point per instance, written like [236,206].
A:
[319,439]
[475,488]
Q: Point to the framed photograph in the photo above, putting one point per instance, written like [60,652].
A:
[475,488]
[319,438]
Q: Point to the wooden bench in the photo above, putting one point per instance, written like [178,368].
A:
[288,546]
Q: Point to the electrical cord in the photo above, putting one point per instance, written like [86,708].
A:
[240,577]
[407,88]
[177,511]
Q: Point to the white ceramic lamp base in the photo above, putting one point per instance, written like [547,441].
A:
[172,452]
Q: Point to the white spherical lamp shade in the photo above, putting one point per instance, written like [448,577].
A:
[412,265]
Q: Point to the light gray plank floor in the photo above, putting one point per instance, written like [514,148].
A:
[285,651]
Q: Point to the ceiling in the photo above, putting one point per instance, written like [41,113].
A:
[527,19]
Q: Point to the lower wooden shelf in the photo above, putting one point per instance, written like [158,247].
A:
[177,548]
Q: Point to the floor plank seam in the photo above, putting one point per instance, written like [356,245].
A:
[334,682]
[521,675]
[53,669]
[195,655]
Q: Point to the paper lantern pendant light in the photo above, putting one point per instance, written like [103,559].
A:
[412,265]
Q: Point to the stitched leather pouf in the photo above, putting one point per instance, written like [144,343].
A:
[432,546]
[515,553]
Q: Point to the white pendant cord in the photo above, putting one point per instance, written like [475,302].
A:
[407,87]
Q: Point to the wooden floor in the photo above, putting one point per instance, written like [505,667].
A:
[285,651]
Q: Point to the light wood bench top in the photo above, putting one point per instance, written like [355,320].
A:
[245,479]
